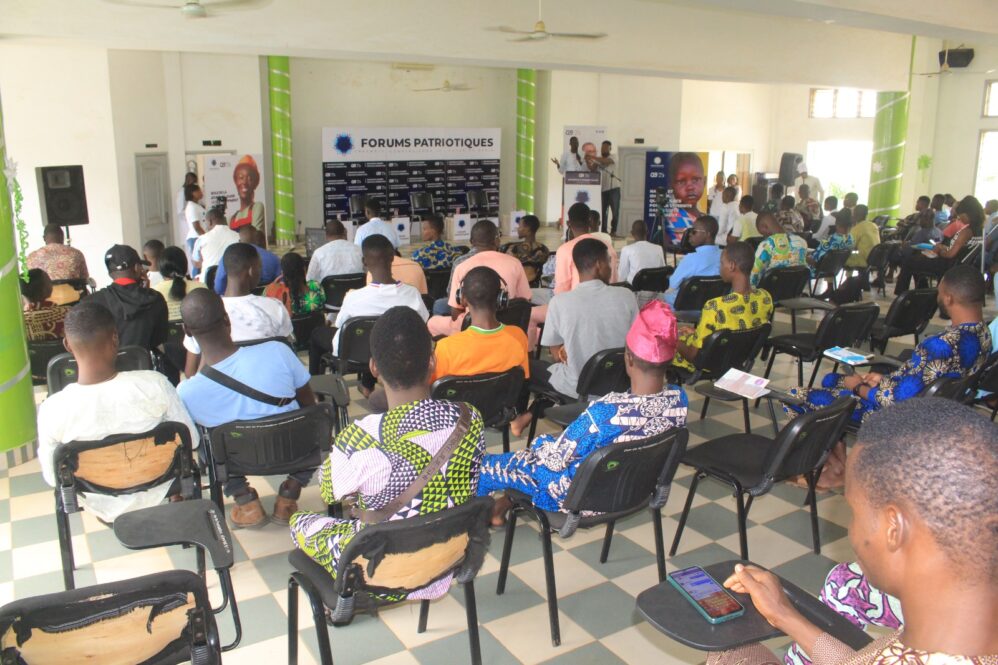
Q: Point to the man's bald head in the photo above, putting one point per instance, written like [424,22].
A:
[484,234]
[203,312]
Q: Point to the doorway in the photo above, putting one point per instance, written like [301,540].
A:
[153,174]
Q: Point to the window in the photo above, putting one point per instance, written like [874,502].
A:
[842,103]
[841,166]
[991,99]
[986,187]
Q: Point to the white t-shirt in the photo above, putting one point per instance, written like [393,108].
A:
[155,277]
[181,204]
[827,224]
[377,226]
[726,221]
[252,317]
[375,300]
[569,162]
[208,248]
[748,218]
[714,196]
[337,257]
[130,403]
[638,256]
[193,212]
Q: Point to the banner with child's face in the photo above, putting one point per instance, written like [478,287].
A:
[675,192]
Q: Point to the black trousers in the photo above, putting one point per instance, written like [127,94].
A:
[611,202]
[920,264]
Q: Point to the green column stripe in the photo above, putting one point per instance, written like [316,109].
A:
[279,82]
[526,97]
[890,129]
[17,399]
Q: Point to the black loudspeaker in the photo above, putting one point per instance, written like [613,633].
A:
[788,168]
[956,57]
[63,195]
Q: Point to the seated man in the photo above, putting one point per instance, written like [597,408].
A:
[338,256]
[438,253]
[378,457]
[270,368]
[742,309]
[704,261]
[566,275]
[840,239]
[140,312]
[56,258]
[809,208]
[744,227]
[590,318]
[532,254]
[640,254]
[43,319]
[270,263]
[546,468]
[866,235]
[375,225]
[408,272]
[251,316]
[211,245]
[828,220]
[957,351]
[788,217]
[104,402]
[778,248]
[595,224]
[921,478]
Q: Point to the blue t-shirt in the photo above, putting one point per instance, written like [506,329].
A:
[270,269]
[271,368]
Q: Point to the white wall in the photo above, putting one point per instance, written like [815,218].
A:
[221,100]
[792,128]
[728,116]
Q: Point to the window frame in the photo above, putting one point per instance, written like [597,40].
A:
[861,95]
[980,146]
[990,86]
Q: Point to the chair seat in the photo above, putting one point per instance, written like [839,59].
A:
[689,315]
[197,521]
[331,386]
[713,392]
[557,519]
[564,414]
[798,344]
[797,304]
[742,456]
[317,575]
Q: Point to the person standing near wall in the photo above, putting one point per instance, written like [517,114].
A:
[609,187]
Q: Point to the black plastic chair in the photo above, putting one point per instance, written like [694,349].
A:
[356,204]
[846,325]
[437,281]
[209,276]
[303,325]
[515,313]
[173,348]
[494,395]
[829,267]
[682,248]
[41,353]
[786,286]
[163,618]
[62,369]
[276,445]
[610,484]
[752,464]
[119,465]
[354,348]
[478,202]
[420,204]
[652,279]
[336,286]
[877,261]
[909,314]
[988,382]
[694,294]
[958,389]
[970,254]
[394,558]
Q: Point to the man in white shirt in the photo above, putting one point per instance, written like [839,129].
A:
[744,227]
[813,184]
[375,225]
[609,188]
[338,256]
[728,215]
[572,159]
[251,317]
[105,402]
[209,248]
[640,254]
[828,221]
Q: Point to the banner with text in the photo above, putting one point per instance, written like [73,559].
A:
[233,181]
[675,185]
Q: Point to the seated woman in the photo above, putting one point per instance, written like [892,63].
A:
[175,284]
[299,295]
[377,457]
[43,319]
[957,351]
[545,469]
[969,219]
[840,239]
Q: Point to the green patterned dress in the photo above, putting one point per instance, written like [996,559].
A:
[376,458]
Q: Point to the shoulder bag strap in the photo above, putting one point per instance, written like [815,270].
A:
[241,388]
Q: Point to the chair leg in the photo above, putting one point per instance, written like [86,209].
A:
[424,615]
[772,414]
[471,610]
[800,371]
[535,411]
[748,425]
[793,321]
[686,513]
[507,549]
[292,621]
[505,438]
[742,519]
[229,598]
[703,411]
[65,547]
[656,520]
[814,372]
[549,579]
[607,538]
[769,368]
[812,481]
[200,558]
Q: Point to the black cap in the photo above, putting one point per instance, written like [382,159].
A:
[122,257]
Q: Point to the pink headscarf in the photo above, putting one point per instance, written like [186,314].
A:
[652,336]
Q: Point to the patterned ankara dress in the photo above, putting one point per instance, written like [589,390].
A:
[545,470]
[955,352]
[438,254]
[377,458]
[733,311]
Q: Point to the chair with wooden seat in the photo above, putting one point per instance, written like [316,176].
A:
[336,286]
[119,465]
[495,395]
[393,559]
[62,370]
[909,314]
[611,483]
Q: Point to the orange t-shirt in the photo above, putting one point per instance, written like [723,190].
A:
[476,351]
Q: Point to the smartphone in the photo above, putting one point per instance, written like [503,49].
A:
[710,598]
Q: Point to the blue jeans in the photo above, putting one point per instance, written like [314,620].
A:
[190,251]
[441,307]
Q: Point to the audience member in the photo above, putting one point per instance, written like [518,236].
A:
[640,254]
[828,221]
[484,241]
[193,213]
[788,217]
[338,256]
[704,261]
[105,402]
[778,248]
[209,247]
[545,470]
[808,208]
[946,254]
[180,206]
[733,182]
[299,295]
[438,253]
[58,260]
[375,225]
[804,180]
[744,227]
[850,201]
[911,221]
[43,319]
[594,228]
[140,312]
[232,384]
[270,264]
[841,239]
[151,251]
[175,284]
[744,308]
[730,215]
[866,235]
[408,272]
[380,456]
[566,277]
[532,254]
[775,198]
[715,196]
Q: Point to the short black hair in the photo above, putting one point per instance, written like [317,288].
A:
[730,191]
[639,229]
[88,322]
[215,215]
[481,286]
[587,252]
[606,143]
[531,222]
[377,247]
[238,258]
[941,458]
[748,201]
[484,232]
[966,284]
[924,199]
[860,212]
[788,202]
[189,192]
[436,222]
[845,213]
[777,190]
[852,195]
[372,206]
[401,347]
[742,255]
[578,216]
[202,310]
[843,222]
[709,225]
[35,288]
[54,231]
[335,228]
[832,201]
[154,247]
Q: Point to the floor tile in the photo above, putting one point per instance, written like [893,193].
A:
[533,634]
[571,573]
[712,520]
[766,547]
[807,571]
[591,654]
[797,526]
[455,649]
[517,596]
[601,610]
[625,555]
[643,644]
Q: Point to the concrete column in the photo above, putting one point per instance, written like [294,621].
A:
[890,130]
[279,80]
[526,97]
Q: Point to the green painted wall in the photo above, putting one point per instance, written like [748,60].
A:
[890,130]
[279,81]
[526,99]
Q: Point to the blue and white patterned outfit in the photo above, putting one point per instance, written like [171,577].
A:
[438,254]
[546,468]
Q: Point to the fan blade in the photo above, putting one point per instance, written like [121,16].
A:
[144,5]
[461,87]
[508,30]
[578,35]
[529,38]
[426,89]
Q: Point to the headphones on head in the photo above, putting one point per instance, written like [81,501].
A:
[501,301]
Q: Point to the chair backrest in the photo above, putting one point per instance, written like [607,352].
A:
[880,220]
[462,249]
[494,394]
[336,286]
[274,445]
[880,255]
[125,463]
[304,324]
[516,313]
[652,279]
[846,325]
[626,476]
[355,342]
[477,199]
[63,370]
[805,442]
[911,311]
[832,263]
[356,203]
[42,352]
[314,239]
[402,555]
[971,252]
[988,376]
[209,276]
[786,282]
[729,349]
[437,281]
[421,201]
[696,291]
[174,346]
[603,373]
[159,618]
[80,285]
[959,389]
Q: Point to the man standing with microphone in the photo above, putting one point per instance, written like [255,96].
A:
[609,186]
[572,159]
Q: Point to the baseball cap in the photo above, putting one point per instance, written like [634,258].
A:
[122,257]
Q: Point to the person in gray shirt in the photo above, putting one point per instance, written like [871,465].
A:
[588,319]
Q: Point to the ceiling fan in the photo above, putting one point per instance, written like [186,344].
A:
[540,31]
[954,61]
[447,87]
[195,8]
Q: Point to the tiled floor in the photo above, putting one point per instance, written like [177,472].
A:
[599,622]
